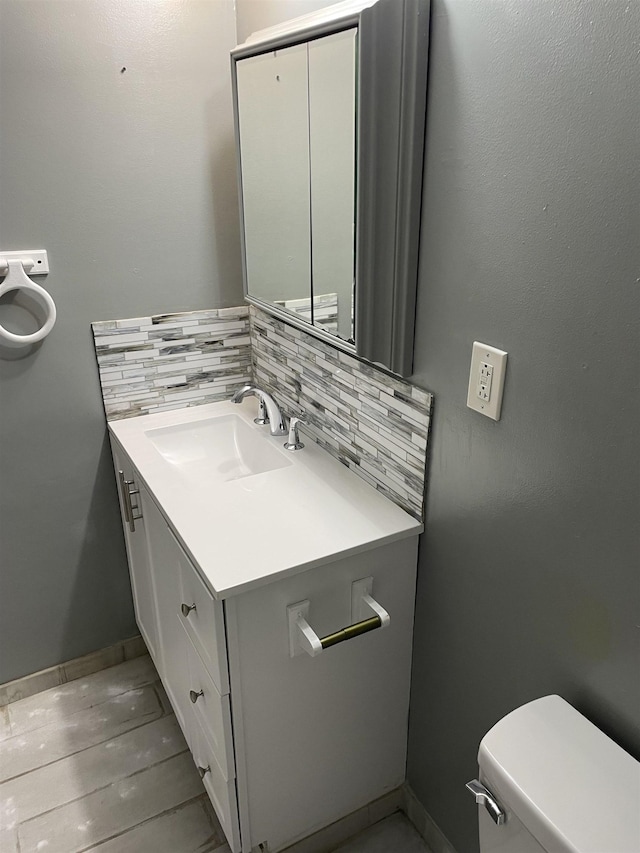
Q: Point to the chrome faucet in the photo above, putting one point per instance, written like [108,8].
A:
[275,416]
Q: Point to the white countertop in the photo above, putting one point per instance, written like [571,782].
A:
[247,532]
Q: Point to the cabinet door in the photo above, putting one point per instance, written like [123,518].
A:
[138,554]
[317,738]
[165,567]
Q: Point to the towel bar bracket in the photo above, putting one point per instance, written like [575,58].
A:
[34,261]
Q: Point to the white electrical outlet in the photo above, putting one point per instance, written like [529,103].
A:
[486,380]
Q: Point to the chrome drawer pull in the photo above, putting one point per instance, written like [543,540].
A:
[485,798]
[203,771]
[187,608]
[195,696]
[123,493]
[126,491]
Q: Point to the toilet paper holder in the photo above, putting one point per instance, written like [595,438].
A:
[365,611]
[14,266]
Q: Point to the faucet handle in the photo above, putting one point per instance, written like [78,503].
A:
[293,442]
[263,417]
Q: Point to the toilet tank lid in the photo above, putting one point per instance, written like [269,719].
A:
[574,789]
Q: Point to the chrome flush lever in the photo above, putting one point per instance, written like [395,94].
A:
[485,798]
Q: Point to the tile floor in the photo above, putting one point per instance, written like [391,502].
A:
[99,765]
[393,835]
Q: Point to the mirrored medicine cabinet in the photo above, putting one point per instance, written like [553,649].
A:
[330,115]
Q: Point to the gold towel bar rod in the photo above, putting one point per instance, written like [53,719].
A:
[351,631]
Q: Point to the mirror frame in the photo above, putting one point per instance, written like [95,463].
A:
[393,37]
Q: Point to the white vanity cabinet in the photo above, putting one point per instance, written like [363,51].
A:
[285,745]
[174,607]
[135,538]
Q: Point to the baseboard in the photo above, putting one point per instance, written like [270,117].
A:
[401,799]
[334,834]
[434,837]
[54,676]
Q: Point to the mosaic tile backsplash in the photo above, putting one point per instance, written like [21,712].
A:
[376,424]
[171,361]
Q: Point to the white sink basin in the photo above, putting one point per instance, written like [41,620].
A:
[244,508]
[222,448]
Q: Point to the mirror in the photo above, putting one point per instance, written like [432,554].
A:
[296,119]
[330,112]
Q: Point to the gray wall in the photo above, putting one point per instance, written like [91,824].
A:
[528,575]
[128,179]
[254,15]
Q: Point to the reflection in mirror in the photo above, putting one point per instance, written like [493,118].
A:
[297,126]
[274,133]
[332,138]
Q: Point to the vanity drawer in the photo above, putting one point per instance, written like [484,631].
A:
[212,711]
[203,620]
[222,792]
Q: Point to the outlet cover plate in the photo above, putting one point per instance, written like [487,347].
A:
[486,380]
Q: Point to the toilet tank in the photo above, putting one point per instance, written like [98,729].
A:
[565,787]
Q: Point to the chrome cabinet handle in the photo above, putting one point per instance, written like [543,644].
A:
[203,771]
[126,491]
[195,696]
[123,495]
[187,608]
[485,798]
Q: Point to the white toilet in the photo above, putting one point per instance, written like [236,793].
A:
[551,782]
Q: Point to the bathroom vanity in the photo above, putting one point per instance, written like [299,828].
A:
[242,557]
